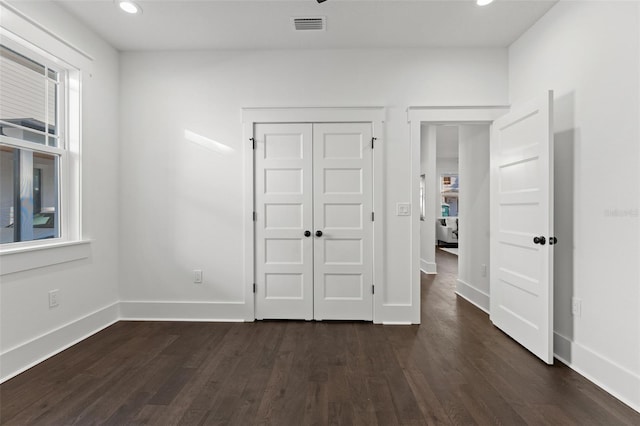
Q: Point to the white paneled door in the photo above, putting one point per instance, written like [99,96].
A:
[522,225]
[313,221]
[284,203]
[342,189]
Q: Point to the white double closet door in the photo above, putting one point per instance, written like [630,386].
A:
[314,230]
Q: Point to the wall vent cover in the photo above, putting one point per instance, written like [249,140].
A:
[318,23]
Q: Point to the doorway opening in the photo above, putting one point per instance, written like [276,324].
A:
[423,122]
[459,206]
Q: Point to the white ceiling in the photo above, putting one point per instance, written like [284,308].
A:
[265,24]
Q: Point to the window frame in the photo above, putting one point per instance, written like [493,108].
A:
[67,150]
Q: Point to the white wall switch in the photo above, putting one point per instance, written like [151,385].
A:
[403,209]
[483,270]
[53,298]
[197,276]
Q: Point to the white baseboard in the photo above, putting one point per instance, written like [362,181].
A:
[428,267]
[182,311]
[24,356]
[613,378]
[473,295]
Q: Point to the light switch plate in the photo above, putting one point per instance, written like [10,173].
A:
[403,209]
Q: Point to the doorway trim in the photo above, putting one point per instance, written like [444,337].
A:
[416,116]
[253,116]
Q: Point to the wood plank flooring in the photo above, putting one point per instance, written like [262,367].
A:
[455,368]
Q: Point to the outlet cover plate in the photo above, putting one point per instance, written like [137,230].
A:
[403,209]
[53,298]
[576,307]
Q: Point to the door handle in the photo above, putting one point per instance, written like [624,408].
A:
[539,240]
[318,233]
[307,233]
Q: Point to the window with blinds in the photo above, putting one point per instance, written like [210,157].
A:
[29,103]
[32,147]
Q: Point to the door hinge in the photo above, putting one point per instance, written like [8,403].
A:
[373,140]
[254,287]
[373,289]
[255,216]
[373,217]
[253,143]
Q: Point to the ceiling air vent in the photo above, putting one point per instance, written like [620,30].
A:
[310,24]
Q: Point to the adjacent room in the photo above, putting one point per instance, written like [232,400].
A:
[320,212]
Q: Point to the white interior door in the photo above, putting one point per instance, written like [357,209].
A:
[314,230]
[522,225]
[343,233]
[283,191]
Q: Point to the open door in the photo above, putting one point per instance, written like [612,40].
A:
[522,225]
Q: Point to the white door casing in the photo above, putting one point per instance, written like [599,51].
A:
[283,191]
[343,206]
[521,210]
[326,276]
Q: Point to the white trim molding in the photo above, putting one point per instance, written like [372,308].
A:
[611,377]
[429,268]
[313,114]
[181,311]
[13,19]
[17,359]
[374,115]
[27,258]
[473,295]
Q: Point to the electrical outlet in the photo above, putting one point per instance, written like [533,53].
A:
[403,209]
[197,276]
[483,270]
[53,298]
[576,307]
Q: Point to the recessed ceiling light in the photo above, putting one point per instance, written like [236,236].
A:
[129,7]
[483,2]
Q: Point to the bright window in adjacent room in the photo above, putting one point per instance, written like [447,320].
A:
[33,149]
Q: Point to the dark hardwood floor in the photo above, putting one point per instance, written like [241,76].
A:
[455,368]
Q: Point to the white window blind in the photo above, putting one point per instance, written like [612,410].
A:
[28,98]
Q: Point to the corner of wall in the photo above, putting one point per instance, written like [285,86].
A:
[473,295]
[428,267]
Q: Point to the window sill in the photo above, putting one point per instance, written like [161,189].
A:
[26,258]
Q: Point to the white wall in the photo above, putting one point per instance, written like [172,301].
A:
[589,53]
[473,281]
[29,330]
[182,205]
[428,159]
